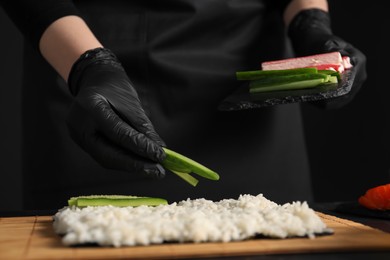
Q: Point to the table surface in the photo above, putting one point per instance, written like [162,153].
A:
[327,208]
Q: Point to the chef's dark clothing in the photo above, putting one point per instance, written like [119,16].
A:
[182,56]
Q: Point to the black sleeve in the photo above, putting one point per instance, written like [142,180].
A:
[280,5]
[32,17]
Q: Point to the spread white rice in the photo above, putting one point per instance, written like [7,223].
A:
[197,220]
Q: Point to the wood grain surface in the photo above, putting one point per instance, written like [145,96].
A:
[34,238]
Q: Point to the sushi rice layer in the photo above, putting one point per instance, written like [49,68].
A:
[196,220]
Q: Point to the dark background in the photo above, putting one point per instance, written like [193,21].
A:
[348,147]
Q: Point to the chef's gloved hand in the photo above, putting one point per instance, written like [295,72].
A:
[310,33]
[107,119]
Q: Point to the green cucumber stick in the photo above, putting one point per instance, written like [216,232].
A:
[173,165]
[331,73]
[73,200]
[332,80]
[271,81]
[174,161]
[259,74]
[115,200]
[311,83]
[186,177]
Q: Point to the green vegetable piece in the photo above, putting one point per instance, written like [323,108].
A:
[187,177]
[331,73]
[259,74]
[287,86]
[273,81]
[173,165]
[115,200]
[333,80]
[180,163]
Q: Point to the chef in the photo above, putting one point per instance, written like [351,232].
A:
[107,84]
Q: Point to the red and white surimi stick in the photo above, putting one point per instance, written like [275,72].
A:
[347,62]
[331,60]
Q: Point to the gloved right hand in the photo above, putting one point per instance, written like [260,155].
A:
[311,33]
[107,119]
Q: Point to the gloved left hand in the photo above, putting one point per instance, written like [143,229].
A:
[107,119]
[310,33]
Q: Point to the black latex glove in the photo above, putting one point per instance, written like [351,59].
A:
[310,33]
[107,119]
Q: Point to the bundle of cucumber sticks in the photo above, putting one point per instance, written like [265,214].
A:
[289,79]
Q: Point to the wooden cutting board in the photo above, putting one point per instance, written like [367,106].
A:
[34,238]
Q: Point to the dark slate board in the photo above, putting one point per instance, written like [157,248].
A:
[242,99]
[356,209]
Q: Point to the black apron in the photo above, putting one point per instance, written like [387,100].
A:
[182,56]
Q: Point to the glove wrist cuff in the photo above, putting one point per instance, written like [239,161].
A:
[94,56]
[309,30]
[309,21]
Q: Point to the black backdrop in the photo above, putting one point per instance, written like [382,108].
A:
[10,128]
[348,148]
